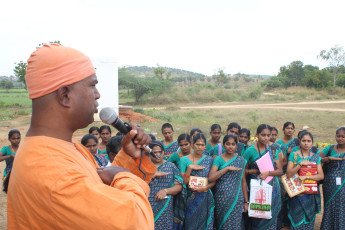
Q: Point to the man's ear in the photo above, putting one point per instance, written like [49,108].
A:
[64,96]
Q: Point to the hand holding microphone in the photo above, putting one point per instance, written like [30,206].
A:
[135,138]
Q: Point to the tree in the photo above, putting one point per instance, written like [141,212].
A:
[335,58]
[140,86]
[20,71]
[220,77]
[5,84]
[161,73]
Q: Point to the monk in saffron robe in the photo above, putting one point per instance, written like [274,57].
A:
[55,182]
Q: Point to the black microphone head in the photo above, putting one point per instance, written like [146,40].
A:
[108,115]
[296,140]
[314,149]
[274,147]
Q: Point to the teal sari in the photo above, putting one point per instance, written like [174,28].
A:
[215,151]
[200,206]
[228,194]
[333,194]
[303,209]
[171,148]
[168,213]
[252,155]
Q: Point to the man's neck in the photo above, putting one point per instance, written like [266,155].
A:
[40,130]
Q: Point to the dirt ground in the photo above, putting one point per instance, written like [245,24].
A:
[22,123]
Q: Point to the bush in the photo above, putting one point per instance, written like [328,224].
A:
[139,110]
[228,86]
[255,93]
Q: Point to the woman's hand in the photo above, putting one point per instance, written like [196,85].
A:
[160,174]
[302,178]
[245,207]
[196,167]
[232,168]
[200,189]
[306,163]
[335,158]
[264,175]
[160,195]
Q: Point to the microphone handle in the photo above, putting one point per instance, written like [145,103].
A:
[125,127]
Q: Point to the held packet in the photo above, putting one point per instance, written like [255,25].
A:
[293,185]
[310,185]
[195,181]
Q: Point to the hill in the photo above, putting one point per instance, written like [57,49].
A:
[145,71]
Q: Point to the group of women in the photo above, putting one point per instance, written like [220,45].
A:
[223,202]
[228,167]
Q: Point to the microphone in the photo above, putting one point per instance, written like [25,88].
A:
[109,116]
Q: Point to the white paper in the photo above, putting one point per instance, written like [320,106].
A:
[338,180]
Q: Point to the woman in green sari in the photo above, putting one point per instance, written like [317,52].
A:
[333,185]
[185,149]
[231,196]
[200,204]
[252,154]
[165,188]
[216,133]
[287,142]
[170,146]
[105,137]
[303,209]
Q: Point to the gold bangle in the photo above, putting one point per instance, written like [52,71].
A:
[166,191]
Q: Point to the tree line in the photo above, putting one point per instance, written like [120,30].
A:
[294,74]
[298,74]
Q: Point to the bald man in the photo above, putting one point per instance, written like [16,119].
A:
[55,182]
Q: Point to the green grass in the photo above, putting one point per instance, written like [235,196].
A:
[14,97]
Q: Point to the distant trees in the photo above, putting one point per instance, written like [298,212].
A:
[5,84]
[298,74]
[20,71]
[141,86]
[220,77]
[161,73]
[335,58]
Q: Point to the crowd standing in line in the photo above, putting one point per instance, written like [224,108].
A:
[224,201]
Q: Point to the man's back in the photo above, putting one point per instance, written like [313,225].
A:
[54,185]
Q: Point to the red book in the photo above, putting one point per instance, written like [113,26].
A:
[309,185]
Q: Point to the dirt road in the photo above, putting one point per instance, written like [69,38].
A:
[336,106]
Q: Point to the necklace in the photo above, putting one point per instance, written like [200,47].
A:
[303,153]
[257,145]
[12,149]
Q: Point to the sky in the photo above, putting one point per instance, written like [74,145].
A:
[248,36]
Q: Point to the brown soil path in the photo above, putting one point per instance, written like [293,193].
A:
[336,106]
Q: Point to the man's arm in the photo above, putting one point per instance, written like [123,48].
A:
[125,161]
[86,203]
[129,155]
